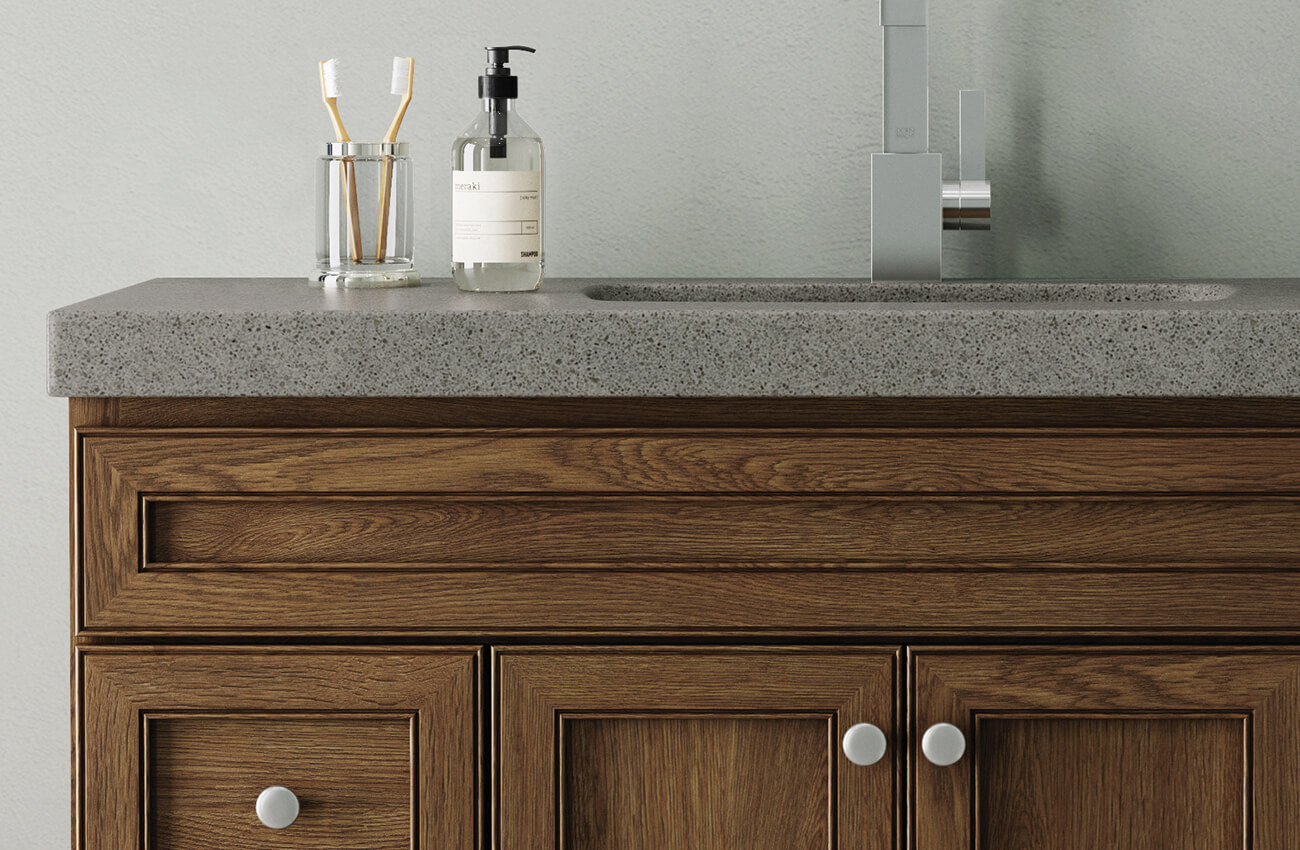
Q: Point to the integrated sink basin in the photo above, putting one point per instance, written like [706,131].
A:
[869,292]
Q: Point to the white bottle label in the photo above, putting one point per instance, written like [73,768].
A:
[496,216]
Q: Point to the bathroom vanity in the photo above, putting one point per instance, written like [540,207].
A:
[550,602]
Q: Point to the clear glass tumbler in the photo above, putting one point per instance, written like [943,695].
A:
[365,224]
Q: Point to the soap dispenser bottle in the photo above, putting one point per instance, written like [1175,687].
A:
[496,190]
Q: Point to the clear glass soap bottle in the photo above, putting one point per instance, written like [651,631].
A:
[497,190]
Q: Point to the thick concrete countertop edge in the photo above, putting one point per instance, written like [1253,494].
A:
[280,338]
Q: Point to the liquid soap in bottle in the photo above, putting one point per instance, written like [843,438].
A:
[496,190]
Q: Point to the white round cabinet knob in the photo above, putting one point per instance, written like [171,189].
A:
[277,807]
[943,744]
[864,743]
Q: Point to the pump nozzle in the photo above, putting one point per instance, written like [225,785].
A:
[499,56]
[496,86]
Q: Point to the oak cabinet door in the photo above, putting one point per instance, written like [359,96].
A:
[1133,749]
[692,749]
[371,748]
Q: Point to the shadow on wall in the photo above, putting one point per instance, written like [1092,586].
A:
[1080,184]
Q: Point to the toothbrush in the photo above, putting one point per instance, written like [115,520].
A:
[329,89]
[403,77]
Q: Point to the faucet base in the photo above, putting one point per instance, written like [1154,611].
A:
[967,205]
[906,216]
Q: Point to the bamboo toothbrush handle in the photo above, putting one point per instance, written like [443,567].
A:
[329,91]
[354,214]
[385,189]
[403,78]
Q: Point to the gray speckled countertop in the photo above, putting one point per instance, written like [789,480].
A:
[720,338]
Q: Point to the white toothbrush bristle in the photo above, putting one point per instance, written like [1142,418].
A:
[401,74]
[331,72]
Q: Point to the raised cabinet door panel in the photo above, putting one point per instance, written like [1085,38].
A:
[1122,782]
[377,747]
[692,749]
[1107,749]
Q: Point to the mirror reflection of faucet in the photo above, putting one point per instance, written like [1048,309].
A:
[911,204]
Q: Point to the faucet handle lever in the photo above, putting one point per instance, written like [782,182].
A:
[973,135]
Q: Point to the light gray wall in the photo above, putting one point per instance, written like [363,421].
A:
[171,138]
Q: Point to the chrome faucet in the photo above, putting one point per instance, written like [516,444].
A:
[911,204]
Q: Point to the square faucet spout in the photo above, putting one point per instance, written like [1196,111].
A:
[907,76]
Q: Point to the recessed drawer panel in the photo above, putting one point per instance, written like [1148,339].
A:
[420,533]
[353,748]
[545,529]
[350,775]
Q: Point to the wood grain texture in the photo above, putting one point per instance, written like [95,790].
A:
[433,692]
[648,702]
[716,529]
[705,783]
[423,518]
[1100,783]
[652,601]
[670,504]
[1165,684]
[110,531]
[352,775]
[93,412]
[82,413]
[745,461]
[705,413]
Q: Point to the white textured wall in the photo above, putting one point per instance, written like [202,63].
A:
[1152,139]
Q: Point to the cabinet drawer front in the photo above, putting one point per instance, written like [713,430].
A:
[527,532]
[377,747]
[351,776]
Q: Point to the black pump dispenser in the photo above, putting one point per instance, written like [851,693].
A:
[496,86]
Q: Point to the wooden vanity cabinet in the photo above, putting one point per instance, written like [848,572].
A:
[581,625]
